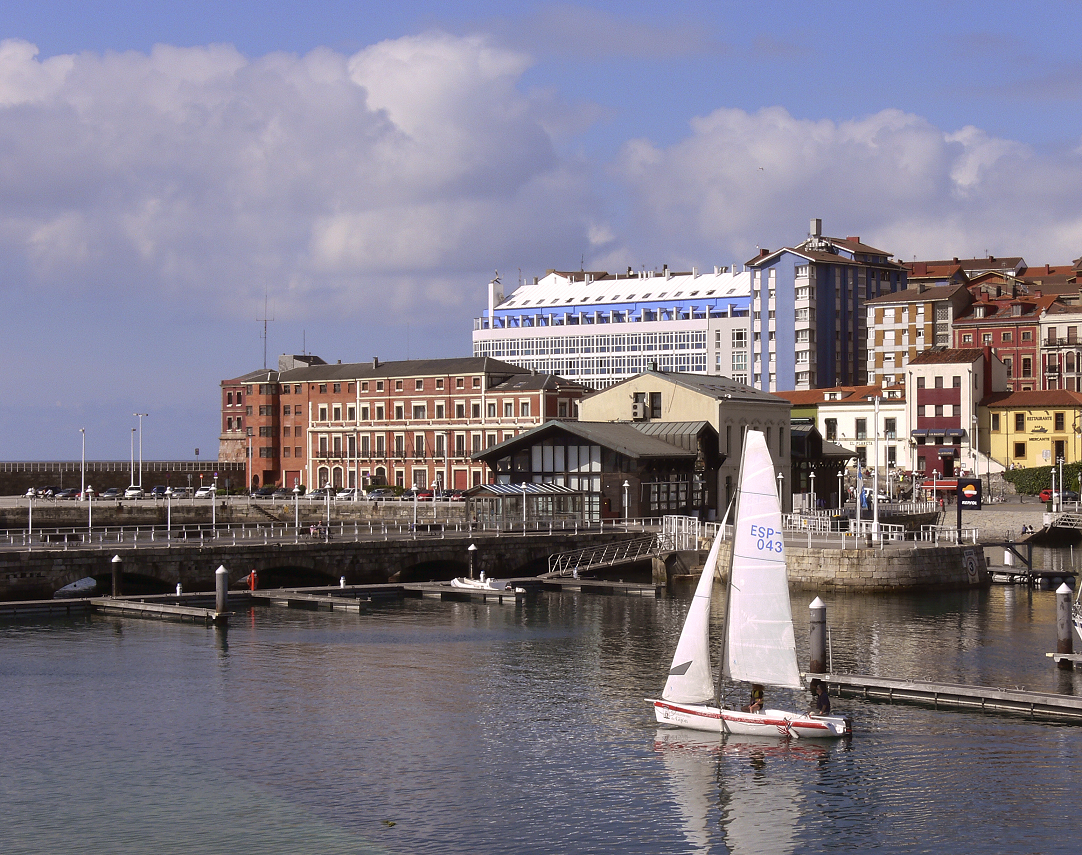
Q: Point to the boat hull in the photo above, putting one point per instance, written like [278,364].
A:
[479,585]
[769,723]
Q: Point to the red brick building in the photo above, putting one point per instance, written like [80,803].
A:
[415,423]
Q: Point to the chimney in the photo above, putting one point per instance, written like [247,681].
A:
[764,252]
[375,362]
[817,227]
[854,238]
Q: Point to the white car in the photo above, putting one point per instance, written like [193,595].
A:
[205,493]
[133,492]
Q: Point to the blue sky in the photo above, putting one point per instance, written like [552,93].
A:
[360,169]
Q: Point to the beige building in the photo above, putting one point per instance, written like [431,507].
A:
[658,396]
[1035,428]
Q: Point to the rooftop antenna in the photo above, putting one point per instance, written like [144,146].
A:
[264,319]
[582,263]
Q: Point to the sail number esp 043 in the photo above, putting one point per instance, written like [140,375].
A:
[764,538]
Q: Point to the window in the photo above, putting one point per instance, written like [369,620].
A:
[399,412]
[508,409]
[379,412]
[418,445]
[939,382]
[337,388]
[889,428]
[379,385]
[476,382]
[986,338]
[1019,449]
[419,411]
[862,428]
[831,429]
[475,410]
[956,382]
[1058,421]
[920,382]
[1020,421]
[285,410]
[460,445]
[1007,336]
[492,409]
[439,411]
[1027,335]
[460,411]
[351,413]
[995,422]
[440,445]
[337,412]
[1027,366]
[323,388]
[399,445]
[364,386]
[967,338]
[460,383]
[398,385]
[229,399]
[381,445]
[938,411]
[419,385]
[524,409]
[323,412]
[439,382]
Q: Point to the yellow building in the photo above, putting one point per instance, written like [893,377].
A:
[1034,428]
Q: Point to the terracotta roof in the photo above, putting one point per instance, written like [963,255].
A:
[849,395]
[947,356]
[1038,398]
[915,295]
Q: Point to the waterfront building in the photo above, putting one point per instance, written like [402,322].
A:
[630,470]
[1035,428]
[808,316]
[1061,347]
[847,415]
[660,397]
[599,328]
[414,423]
[904,323]
[944,387]
[1005,315]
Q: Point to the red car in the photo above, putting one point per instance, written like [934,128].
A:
[424,495]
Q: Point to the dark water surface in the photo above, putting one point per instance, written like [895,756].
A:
[428,727]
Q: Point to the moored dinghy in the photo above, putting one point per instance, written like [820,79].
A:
[79,588]
[759,643]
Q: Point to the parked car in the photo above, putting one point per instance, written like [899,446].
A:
[349,494]
[380,494]
[407,495]
[134,492]
[206,492]
[1048,494]
[264,492]
[282,493]
[457,495]
[320,493]
[180,492]
[111,493]
[158,492]
[425,496]
[67,493]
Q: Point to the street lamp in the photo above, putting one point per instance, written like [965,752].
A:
[781,501]
[626,486]
[812,478]
[296,507]
[249,467]
[82,469]
[471,549]
[839,489]
[89,509]
[133,457]
[140,415]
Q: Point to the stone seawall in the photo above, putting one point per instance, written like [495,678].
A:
[872,570]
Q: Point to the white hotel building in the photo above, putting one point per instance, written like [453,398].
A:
[598,328]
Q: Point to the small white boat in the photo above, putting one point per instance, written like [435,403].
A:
[760,643]
[79,588]
[1076,612]
[481,584]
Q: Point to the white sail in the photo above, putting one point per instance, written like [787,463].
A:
[691,678]
[760,644]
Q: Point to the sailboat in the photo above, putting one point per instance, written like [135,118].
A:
[759,645]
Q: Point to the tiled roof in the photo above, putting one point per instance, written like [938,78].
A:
[848,395]
[1038,398]
[621,437]
[947,356]
[916,295]
[403,368]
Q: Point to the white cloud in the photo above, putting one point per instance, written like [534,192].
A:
[740,180]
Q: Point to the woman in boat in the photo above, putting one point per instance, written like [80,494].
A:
[756,702]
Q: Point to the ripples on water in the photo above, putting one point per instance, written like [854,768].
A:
[429,727]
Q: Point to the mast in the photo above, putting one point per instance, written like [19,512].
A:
[732,555]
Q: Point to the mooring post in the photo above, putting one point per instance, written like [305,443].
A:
[817,637]
[1064,642]
[116,575]
[221,589]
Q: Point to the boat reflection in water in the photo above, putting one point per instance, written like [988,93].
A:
[739,794]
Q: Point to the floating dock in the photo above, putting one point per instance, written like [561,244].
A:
[300,600]
[602,586]
[445,591]
[161,611]
[1034,705]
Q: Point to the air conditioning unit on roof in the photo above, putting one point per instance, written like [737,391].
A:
[638,410]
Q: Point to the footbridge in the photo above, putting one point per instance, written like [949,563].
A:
[594,558]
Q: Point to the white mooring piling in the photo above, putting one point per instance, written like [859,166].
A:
[817,637]
[1064,641]
[221,589]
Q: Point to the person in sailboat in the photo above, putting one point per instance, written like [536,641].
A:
[821,703]
[755,704]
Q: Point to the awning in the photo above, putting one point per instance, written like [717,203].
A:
[919,432]
[955,432]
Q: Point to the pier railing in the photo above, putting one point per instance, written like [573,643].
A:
[624,552]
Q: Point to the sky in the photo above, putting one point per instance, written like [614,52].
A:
[176,178]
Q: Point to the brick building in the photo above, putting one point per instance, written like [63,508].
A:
[413,423]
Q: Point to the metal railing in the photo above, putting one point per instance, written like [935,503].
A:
[624,552]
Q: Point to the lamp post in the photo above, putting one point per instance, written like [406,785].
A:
[132,482]
[1059,504]
[248,474]
[523,507]
[471,549]
[839,489]
[297,508]
[82,468]
[781,501]
[875,476]
[626,486]
[811,477]
[140,415]
[89,509]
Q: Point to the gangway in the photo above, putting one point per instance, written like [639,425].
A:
[623,552]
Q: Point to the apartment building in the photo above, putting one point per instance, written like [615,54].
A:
[599,328]
[808,315]
[415,423]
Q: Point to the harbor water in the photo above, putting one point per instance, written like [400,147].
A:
[439,727]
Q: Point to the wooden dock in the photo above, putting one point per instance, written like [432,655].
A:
[445,591]
[603,586]
[301,600]
[161,611]
[1034,705]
